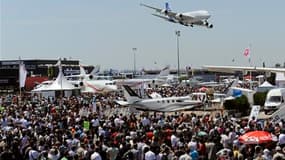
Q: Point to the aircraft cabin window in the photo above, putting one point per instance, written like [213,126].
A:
[167,101]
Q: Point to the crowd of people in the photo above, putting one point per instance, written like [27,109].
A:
[89,127]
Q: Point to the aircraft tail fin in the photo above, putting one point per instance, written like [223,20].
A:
[96,70]
[234,83]
[130,94]
[167,6]
[82,71]
[165,71]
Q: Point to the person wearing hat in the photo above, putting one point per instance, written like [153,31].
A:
[278,155]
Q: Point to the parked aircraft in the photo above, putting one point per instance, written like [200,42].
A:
[89,83]
[160,79]
[199,18]
[168,104]
[83,74]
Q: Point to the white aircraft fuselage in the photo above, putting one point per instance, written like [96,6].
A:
[198,17]
[167,104]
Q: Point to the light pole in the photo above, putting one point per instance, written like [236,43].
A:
[178,61]
[134,50]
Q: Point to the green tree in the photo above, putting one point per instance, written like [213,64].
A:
[259,98]
[240,104]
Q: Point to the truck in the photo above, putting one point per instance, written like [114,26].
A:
[275,99]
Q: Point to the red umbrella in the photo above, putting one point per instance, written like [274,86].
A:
[256,137]
[203,89]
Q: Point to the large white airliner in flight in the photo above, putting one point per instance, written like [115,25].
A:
[199,18]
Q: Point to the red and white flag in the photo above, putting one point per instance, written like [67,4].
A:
[246,52]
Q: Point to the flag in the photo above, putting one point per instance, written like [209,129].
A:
[246,52]
[22,74]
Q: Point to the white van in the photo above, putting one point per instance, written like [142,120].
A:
[275,98]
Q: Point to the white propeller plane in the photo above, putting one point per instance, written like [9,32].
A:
[167,104]
[199,18]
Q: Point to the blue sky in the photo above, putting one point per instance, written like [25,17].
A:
[104,32]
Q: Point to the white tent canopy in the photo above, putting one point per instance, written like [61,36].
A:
[266,84]
[264,87]
[61,83]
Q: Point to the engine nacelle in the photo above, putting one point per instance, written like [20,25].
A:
[210,26]
[179,15]
[164,11]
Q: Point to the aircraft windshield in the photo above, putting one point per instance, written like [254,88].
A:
[275,99]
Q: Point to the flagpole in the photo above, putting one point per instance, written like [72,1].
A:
[20,79]
[20,61]
[249,61]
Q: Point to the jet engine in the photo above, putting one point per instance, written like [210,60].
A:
[210,26]
[164,11]
[179,15]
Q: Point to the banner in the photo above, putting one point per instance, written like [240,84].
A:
[278,115]
[22,75]
[254,112]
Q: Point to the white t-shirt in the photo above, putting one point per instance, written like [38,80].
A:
[95,122]
[33,155]
[95,156]
[149,155]
[174,140]
[281,138]
[145,121]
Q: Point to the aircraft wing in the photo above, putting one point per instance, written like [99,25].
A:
[199,23]
[122,103]
[160,10]
[154,8]
[74,76]
[182,108]
[232,69]
[165,18]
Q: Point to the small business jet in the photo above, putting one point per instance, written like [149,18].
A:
[168,104]
[199,18]
[89,83]
[83,74]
